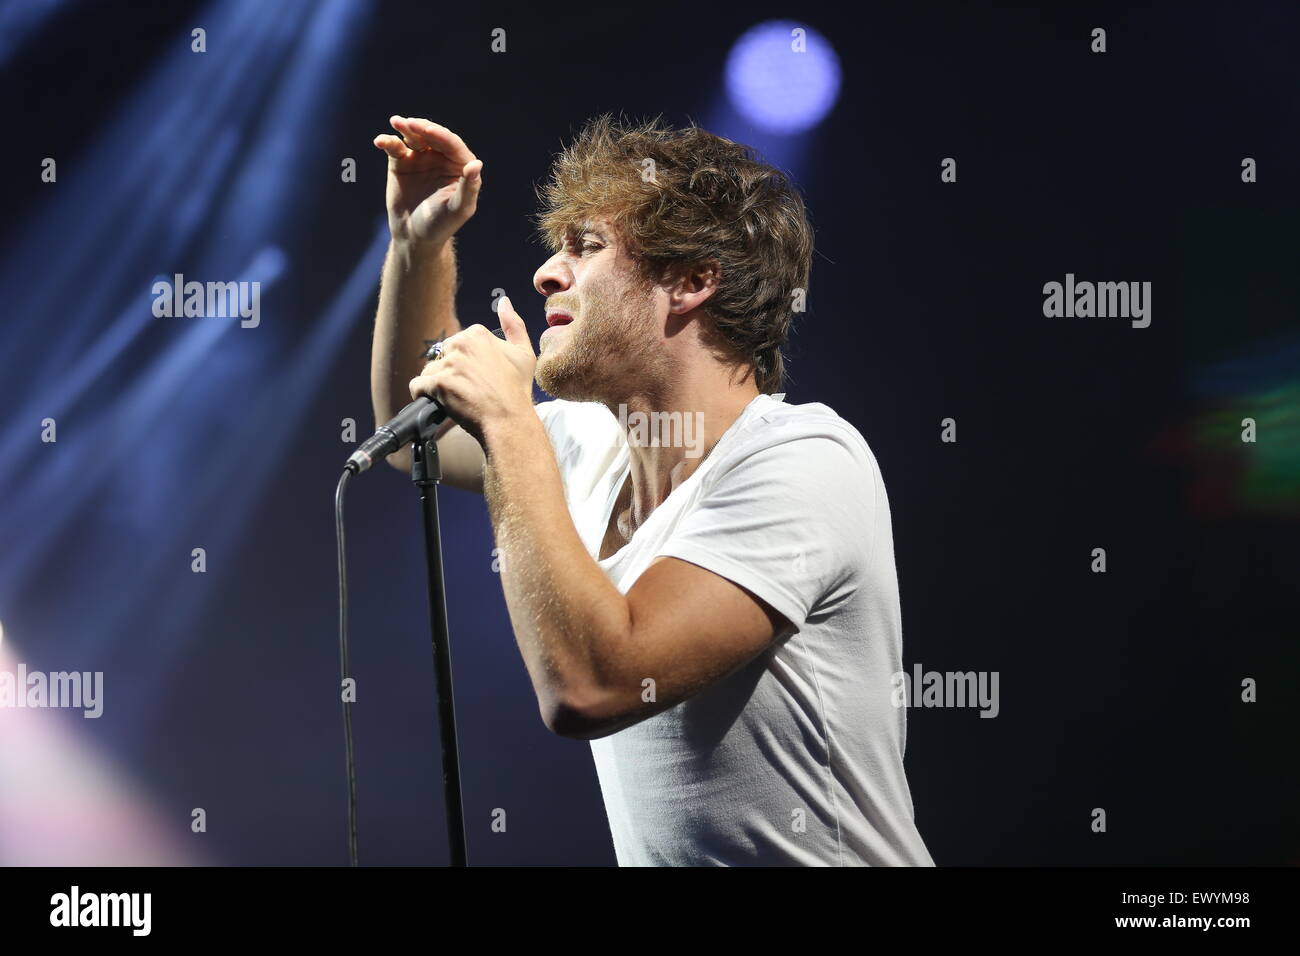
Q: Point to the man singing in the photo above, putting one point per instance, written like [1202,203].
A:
[700,576]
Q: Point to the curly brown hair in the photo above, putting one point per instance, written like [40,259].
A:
[685,198]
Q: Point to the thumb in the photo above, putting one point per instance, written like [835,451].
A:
[465,195]
[512,325]
[471,180]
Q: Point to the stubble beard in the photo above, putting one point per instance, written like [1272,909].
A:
[610,350]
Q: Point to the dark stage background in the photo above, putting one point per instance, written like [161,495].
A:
[1119,690]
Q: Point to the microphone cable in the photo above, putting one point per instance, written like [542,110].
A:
[344,664]
[345,667]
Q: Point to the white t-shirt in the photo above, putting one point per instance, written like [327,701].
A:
[796,758]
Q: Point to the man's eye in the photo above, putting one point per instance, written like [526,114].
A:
[581,246]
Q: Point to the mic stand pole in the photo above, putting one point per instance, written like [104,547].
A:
[426,473]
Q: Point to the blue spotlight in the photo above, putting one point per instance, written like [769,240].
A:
[19,19]
[783,77]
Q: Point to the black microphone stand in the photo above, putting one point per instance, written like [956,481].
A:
[426,473]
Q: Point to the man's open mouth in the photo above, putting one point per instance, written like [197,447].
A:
[558,318]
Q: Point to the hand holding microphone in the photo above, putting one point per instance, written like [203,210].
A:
[473,378]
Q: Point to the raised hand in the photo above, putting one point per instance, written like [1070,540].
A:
[433,181]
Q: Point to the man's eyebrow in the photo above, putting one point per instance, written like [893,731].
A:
[583,228]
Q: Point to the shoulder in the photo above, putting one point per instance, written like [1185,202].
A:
[795,500]
[812,437]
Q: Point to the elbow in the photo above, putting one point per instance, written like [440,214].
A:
[577,719]
[564,721]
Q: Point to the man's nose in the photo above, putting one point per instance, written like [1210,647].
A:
[553,276]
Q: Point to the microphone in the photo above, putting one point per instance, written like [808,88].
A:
[420,417]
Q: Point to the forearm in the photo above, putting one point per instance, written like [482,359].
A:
[568,618]
[416,302]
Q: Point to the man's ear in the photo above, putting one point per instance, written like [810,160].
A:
[692,286]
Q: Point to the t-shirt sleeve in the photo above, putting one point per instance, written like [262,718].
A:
[792,522]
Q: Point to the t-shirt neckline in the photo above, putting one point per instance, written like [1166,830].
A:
[623,465]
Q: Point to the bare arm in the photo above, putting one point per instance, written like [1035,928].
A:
[590,651]
[417,304]
[433,187]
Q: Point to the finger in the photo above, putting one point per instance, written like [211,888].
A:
[425,384]
[442,139]
[467,188]
[393,146]
[512,325]
[449,141]
[411,132]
